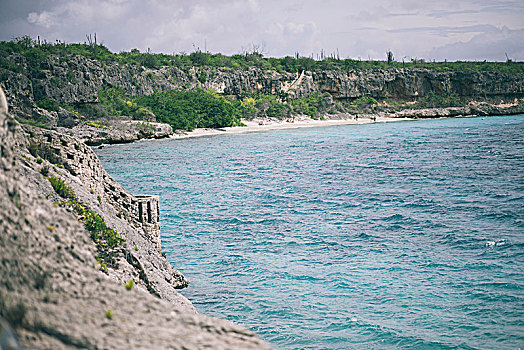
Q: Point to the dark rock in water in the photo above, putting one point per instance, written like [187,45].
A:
[53,290]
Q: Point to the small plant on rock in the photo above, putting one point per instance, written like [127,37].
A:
[129,285]
[61,188]
[109,314]
[44,170]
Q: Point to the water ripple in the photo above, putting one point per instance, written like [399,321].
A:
[404,235]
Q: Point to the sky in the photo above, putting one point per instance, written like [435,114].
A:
[359,29]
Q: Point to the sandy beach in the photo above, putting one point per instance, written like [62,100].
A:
[267,124]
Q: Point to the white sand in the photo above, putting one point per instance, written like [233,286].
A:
[259,125]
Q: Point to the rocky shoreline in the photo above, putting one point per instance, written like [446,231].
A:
[119,131]
[116,131]
[61,287]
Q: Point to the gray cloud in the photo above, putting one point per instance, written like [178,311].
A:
[492,45]
[446,13]
[445,31]
[357,28]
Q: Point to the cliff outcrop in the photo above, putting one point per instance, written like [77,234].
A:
[75,80]
[55,290]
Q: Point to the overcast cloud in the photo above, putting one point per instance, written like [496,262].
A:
[444,29]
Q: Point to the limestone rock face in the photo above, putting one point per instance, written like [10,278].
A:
[52,291]
[411,83]
[76,79]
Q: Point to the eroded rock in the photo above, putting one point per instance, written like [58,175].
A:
[52,291]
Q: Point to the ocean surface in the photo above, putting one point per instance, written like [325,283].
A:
[406,235]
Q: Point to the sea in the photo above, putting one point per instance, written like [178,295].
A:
[402,235]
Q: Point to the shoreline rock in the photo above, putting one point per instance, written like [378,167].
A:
[53,293]
[114,131]
[473,109]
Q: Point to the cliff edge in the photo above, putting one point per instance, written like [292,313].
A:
[66,285]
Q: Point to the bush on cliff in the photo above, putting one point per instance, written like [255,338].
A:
[116,102]
[36,52]
[49,104]
[434,100]
[107,240]
[313,105]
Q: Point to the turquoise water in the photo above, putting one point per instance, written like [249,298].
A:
[401,235]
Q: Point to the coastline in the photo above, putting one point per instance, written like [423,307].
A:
[270,124]
[304,121]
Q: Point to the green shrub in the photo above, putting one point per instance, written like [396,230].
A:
[202,77]
[95,124]
[36,53]
[434,100]
[364,101]
[312,105]
[44,170]
[100,233]
[40,122]
[109,314]
[271,106]
[247,107]
[191,109]
[116,102]
[70,77]
[61,188]
[49,104]
[106,239]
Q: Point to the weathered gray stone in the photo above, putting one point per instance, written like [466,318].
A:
[118,130]
[482,109]
[52,291]
[67,119]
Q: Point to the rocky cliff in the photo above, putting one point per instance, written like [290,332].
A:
[57,289]
[76,79]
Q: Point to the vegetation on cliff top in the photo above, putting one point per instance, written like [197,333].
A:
[37,52]
[189,109]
